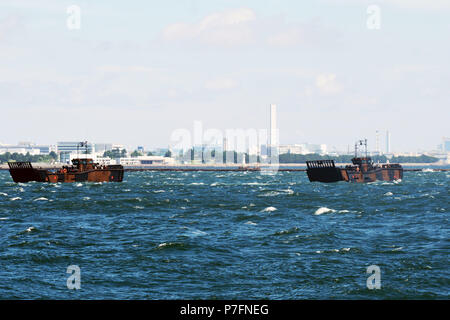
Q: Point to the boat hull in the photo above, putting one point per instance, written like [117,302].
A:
[372,175]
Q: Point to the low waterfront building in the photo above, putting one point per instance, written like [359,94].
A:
[146,160]
[27,147]
[19,149]
[304,148]
[102,147]
[292,148]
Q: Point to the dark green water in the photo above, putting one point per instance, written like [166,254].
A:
[235,235]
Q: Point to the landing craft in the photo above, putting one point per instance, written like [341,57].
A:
[81,170]
[362,170]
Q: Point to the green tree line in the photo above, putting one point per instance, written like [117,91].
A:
[302,158]
[17,157]
[116,153]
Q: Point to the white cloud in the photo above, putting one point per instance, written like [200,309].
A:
[226,28]
[289,37]
[237,27]
[327,84]
[407,4]
[220,84]
[124,69]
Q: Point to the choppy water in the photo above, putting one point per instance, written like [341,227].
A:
[235,235]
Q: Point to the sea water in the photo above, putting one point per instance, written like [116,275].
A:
[225,235]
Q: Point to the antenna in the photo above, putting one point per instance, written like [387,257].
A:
[365,143]
[377,147]
[360,143]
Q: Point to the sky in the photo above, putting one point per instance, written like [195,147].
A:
[136,71]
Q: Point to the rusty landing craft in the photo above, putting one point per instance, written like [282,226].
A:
[362,169]
[81,170]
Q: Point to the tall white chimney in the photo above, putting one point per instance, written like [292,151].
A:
[388,142]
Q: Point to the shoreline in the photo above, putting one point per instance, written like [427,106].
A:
[237,167]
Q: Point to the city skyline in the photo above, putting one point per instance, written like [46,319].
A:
[296,148]
[134,73]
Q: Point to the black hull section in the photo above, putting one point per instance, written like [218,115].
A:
[24,172]
[324,174]
[323,171]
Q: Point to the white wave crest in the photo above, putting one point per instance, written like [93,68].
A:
[41,199]
[269,209]
[323,210]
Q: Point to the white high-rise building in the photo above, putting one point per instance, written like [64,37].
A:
[273,126]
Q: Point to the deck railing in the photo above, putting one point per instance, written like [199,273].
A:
[20,165]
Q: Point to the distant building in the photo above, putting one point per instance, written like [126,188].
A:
[23,148]
[292,148]
[65,149]
[273,125]
[446,145]
[160,151]
[102,147]
[27,147]
[317,148]
[97,159]
[377,143]
[304,148]
[146,160]
[273,151]
[19,149]
[46,149]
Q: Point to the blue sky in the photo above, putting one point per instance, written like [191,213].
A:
[138,70]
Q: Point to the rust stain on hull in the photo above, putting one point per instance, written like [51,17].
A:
[362,170]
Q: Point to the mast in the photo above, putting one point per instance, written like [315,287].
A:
[360,143]
[365,143]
